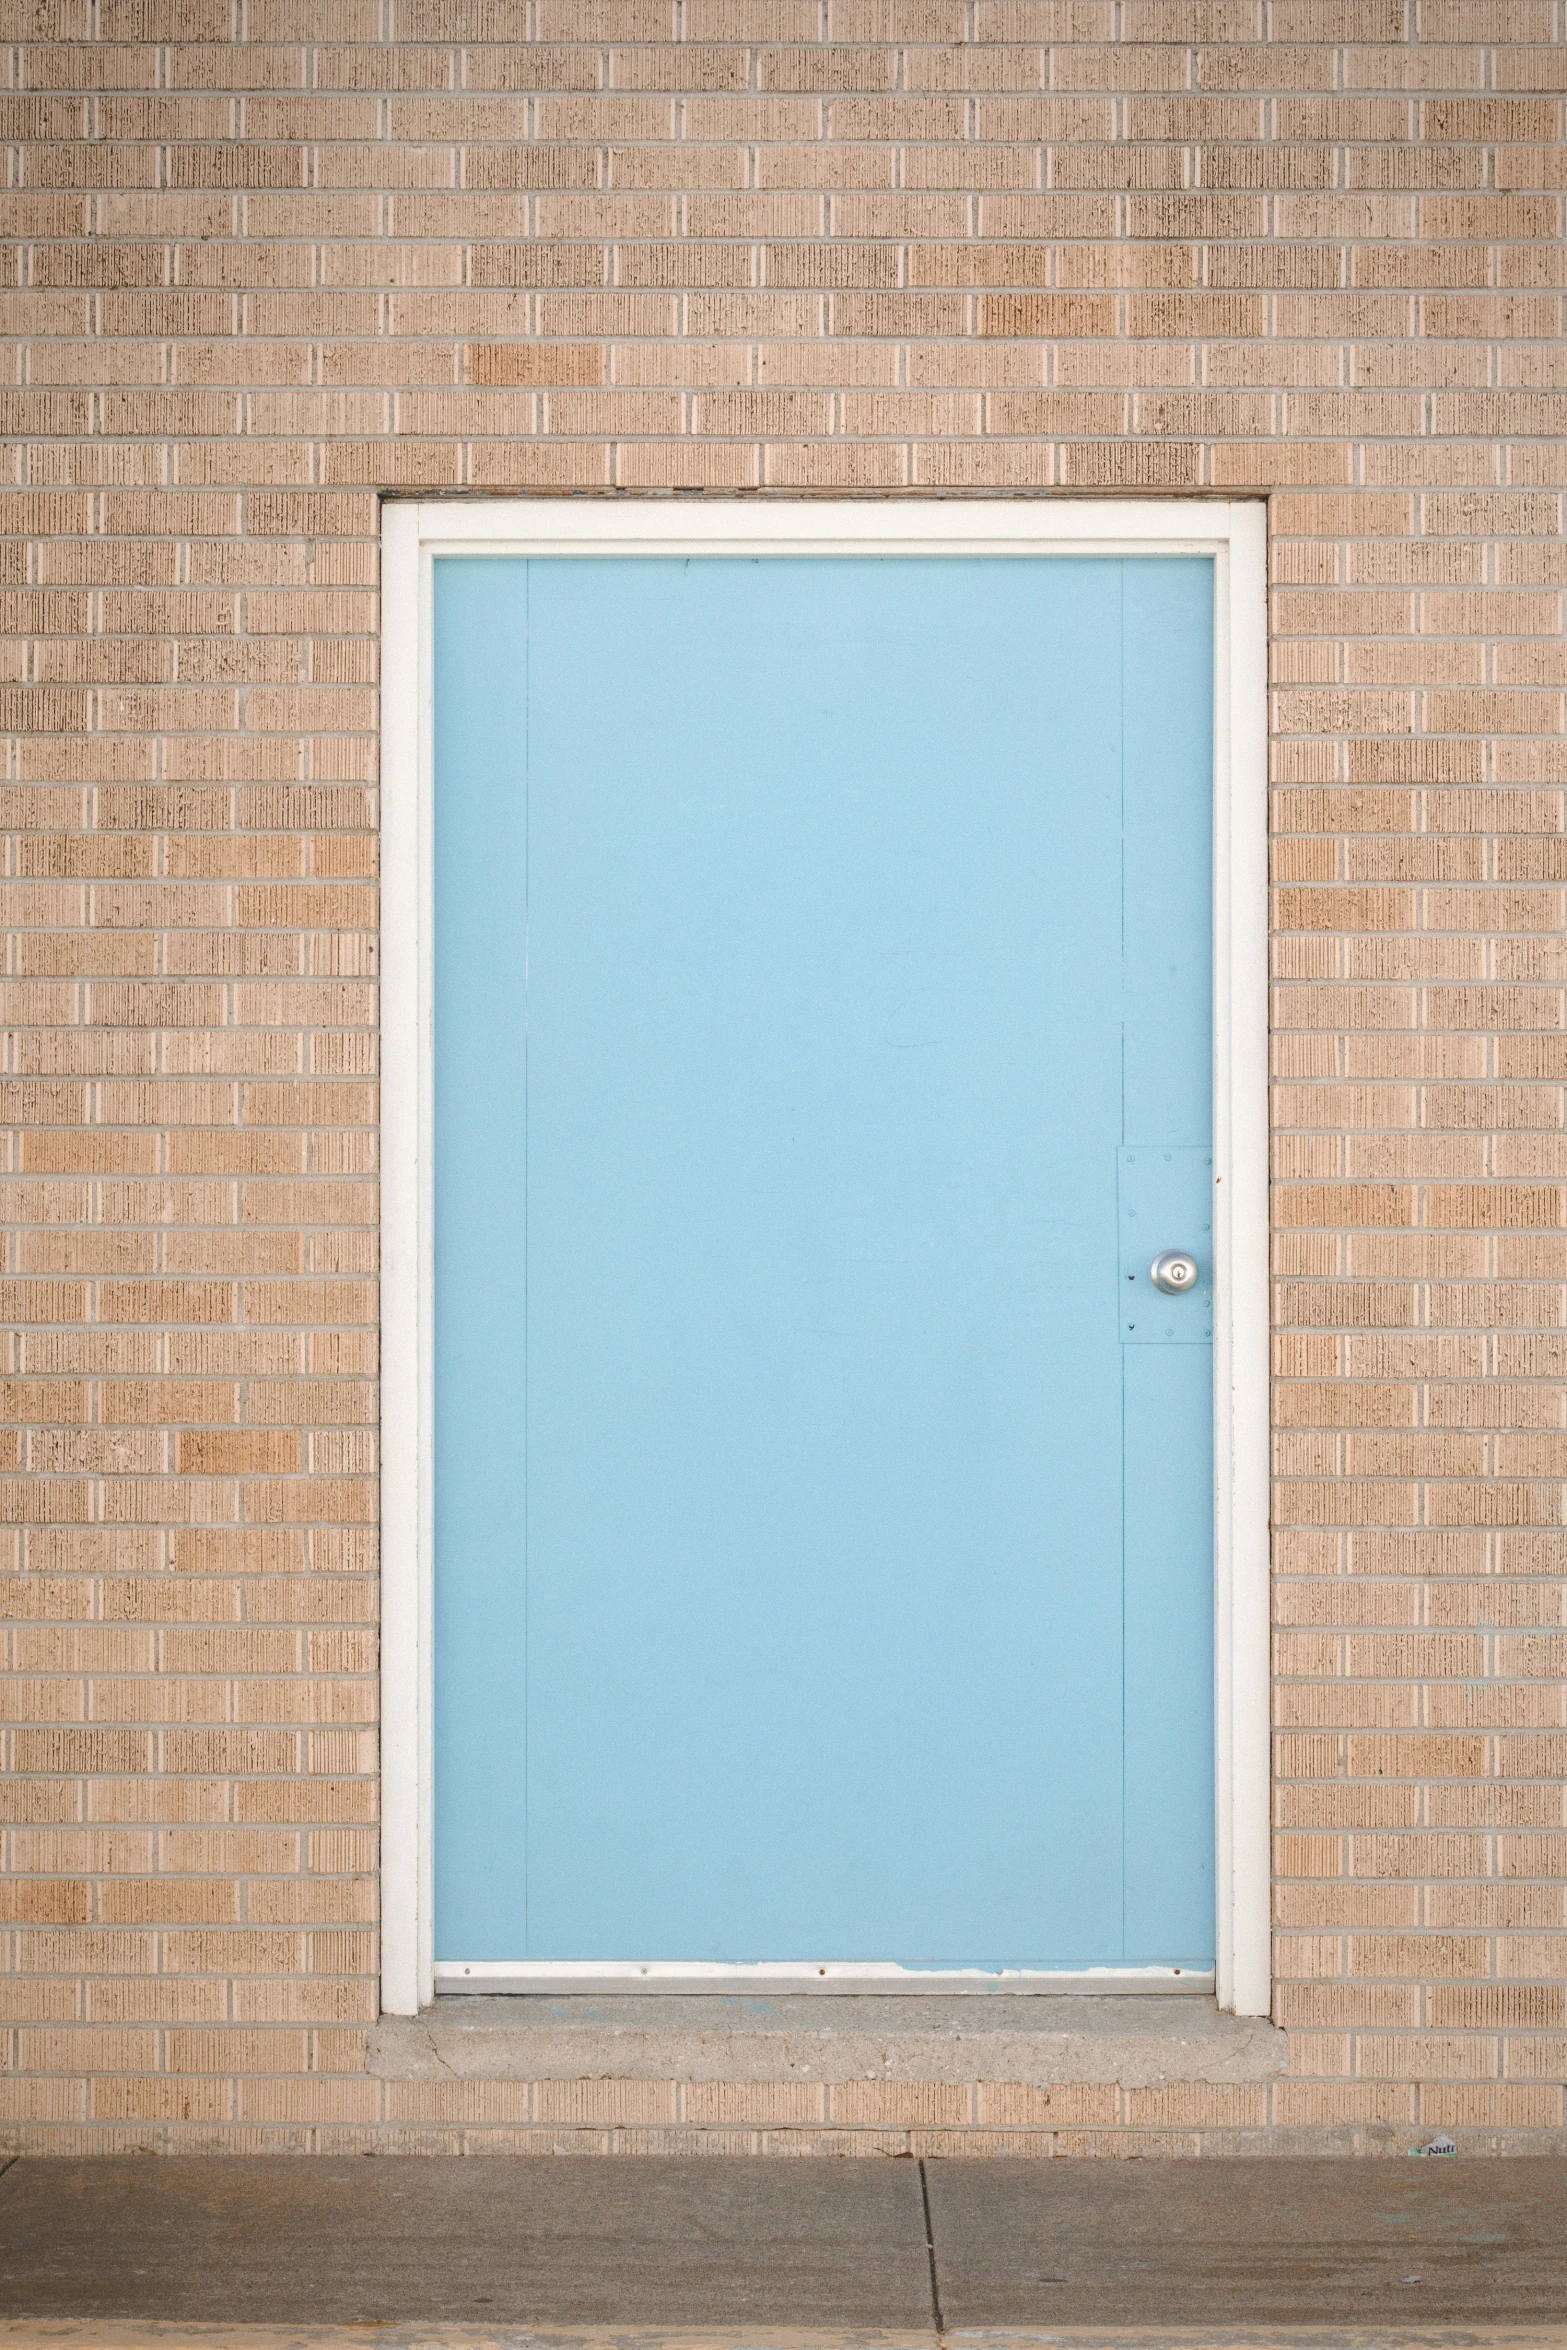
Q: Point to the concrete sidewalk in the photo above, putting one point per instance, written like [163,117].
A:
[753,2251]
[114,2334]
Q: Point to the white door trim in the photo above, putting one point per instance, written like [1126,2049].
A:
[1234,534]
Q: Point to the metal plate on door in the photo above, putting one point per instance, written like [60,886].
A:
[1165,1208]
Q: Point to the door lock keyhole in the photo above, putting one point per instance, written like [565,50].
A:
[1174,1271]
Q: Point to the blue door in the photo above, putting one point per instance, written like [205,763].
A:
[823,1563]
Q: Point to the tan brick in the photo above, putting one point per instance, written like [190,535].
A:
[998,2105]
[458,2101]
[606,2101]
[901,251]
[1197,2104]
[900,2103]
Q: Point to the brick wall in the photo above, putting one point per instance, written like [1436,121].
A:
[266,259]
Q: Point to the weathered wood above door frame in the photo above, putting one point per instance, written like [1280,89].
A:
[1234,534]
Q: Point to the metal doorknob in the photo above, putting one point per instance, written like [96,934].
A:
[1173,1271]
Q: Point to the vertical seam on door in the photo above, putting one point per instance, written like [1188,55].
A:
[527,1385]
[1121,743]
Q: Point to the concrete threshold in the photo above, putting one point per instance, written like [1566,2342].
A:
[1140,2042]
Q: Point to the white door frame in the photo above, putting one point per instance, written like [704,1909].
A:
[1234,534]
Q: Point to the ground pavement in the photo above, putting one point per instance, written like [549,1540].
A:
[265,2254]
